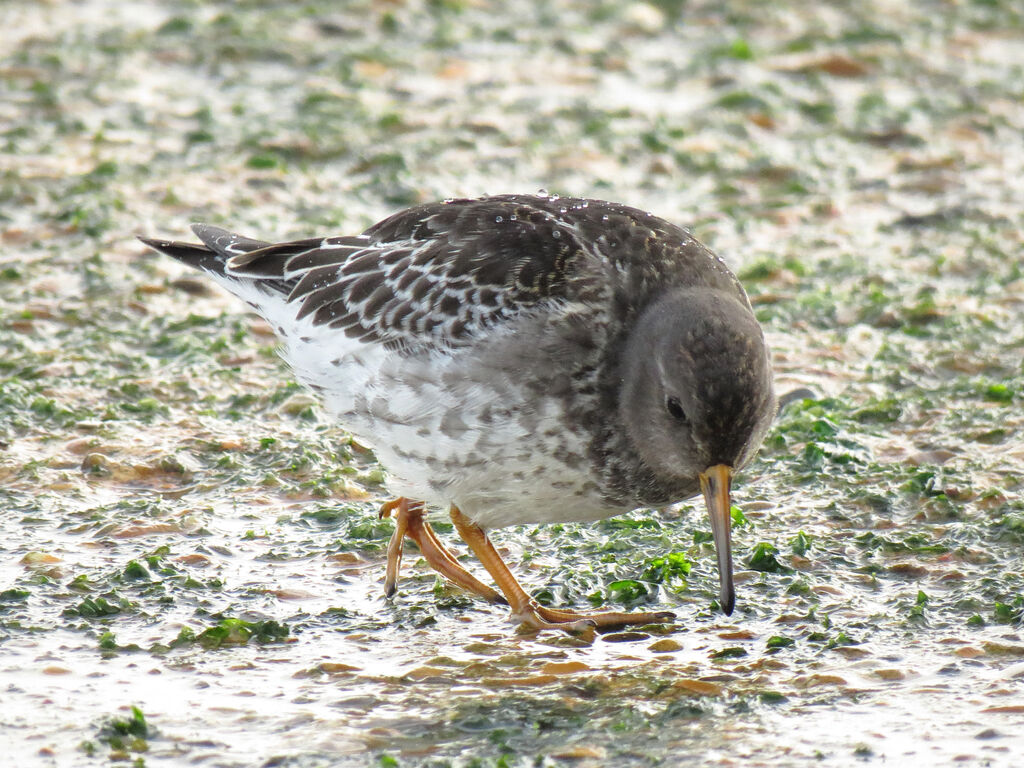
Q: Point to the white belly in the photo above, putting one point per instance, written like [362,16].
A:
[448,432]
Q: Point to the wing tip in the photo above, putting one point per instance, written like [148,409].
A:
[153,242]
[192,254]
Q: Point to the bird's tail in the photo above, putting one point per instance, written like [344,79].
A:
[218,245]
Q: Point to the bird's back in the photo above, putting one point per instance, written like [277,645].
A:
[441,274]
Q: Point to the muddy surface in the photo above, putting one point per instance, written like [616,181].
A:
[192,561]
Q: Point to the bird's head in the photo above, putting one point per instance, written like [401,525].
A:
[697,399]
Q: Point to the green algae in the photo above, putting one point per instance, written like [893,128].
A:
[163,480]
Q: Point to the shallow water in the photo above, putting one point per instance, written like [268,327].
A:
[187,535]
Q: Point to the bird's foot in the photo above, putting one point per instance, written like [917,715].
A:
[525,609]
[409,523]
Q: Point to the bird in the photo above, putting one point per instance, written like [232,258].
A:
[518,359]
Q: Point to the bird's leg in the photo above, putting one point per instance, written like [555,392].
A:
[397,539]
[527,610]
[409,523]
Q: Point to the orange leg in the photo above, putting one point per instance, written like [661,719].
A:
[409,523]
[525,608]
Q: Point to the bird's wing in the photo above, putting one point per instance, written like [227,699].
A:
[433,275]
[439,274]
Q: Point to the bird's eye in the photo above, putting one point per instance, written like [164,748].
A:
[675,409]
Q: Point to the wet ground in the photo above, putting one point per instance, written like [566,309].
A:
[186,534]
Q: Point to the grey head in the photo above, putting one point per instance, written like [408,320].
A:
[697,399]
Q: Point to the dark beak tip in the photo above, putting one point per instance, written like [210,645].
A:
[727,601]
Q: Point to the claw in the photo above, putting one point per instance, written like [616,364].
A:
[395,544]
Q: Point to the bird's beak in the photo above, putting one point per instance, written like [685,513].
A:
[714,484]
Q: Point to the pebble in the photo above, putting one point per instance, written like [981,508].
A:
[564,667]
[95,462]
[625,637]
[580,752]
[665,645]
[889,674]
[700,687]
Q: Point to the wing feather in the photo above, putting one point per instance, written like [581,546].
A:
[439,274]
